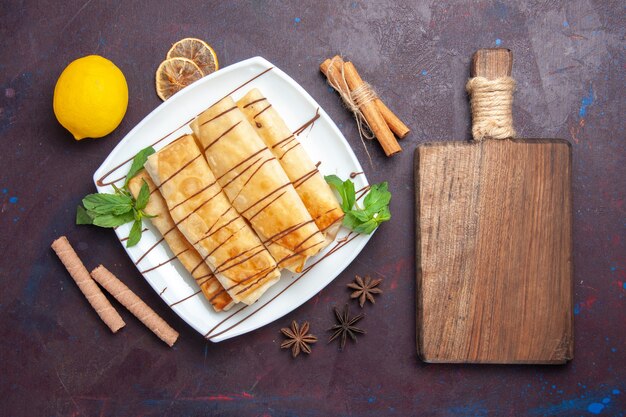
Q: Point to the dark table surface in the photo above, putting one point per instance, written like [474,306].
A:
[57,358]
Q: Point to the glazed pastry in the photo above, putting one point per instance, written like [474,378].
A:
[257,185]
[206,217]
[318,198]
[182,249]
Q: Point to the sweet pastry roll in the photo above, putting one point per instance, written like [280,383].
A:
[257,185]
[178,244]
[309,183]
[205,216]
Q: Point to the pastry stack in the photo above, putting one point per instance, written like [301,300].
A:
[239,200]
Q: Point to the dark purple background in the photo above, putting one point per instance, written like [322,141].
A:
[57,358]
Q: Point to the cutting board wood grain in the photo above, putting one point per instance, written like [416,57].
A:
[494,246]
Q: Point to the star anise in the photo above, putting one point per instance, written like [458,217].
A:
[365,289]
[346,326]
[298,338]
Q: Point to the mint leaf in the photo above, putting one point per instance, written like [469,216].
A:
[101,203]
[112,210]
[345,190]
[348,186]
[142,198]
[351,221]
[375,205]
[135,234]
[334,181]
[138,162]
[367,227]
[361,215]
[383,215]
[112,220]
[82,216]
[377,198]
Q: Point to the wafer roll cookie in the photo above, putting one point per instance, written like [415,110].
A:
[135,305]
[88,287]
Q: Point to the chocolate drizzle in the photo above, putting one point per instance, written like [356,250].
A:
[240,173]
[217,294]
[299,181]
[259,249]
[267,196]
[283,140]
[259,113]
[176,225]
[266,206]
[179,170]
[198,208]
[241,163]
[194,195]
[361,192]
[186,298]
[150,249]
[276,237]
[219,246]
[263,273]
[252,176]
[244,289]
[222,135]
[307,238]
[145,271]
[254,102]
[219,115]
[247,82]
[287,143]
[308,123]
[299,252]
[228,223]
[285,153]
[336,220]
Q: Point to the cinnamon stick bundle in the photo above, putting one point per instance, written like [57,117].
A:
[344,77]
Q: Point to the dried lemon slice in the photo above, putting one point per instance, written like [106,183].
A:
[198,51]
[174,74]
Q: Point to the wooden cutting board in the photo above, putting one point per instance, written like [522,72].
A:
[494,246]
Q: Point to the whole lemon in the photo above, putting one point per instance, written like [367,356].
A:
[90,97]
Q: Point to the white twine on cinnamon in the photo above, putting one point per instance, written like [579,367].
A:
[354,100]
[492,102]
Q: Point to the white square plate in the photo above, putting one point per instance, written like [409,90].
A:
[323,141]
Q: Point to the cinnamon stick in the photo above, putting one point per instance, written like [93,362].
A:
[374,119]
[135,305]
[87,286]
[396,125]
